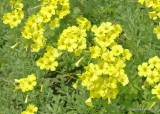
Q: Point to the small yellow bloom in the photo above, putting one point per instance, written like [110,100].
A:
[117,50]
[84,23]
[154,61]
[95,51]
[123,80]
[153,15]
[89,102]
[156,31]
[26,84]
[153,77]
[127,55]
[54,23]
[144,69]
[156,91]
[31,109]
[48,61]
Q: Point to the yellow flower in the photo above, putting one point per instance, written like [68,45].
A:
[102,77]
[156,91]
[35,47]
[18,6]
[144,69]
[39,39]
[105,34]
[72,39]
[89,102]
[63,2]
[65,10]
[100,32]
[116,29]
[101,67]
[95,51]
[48,61]
[141,1]
[151,3]
[41,63]
[46,12]
[13,18]
[54,23]
[6,18]
[117,50]
[107,26]
[127,55]
[154,61]
[153,77]
[153,15]
[156,31]
[84,23]
[26,84]
[94,28]
[112,70]
[31,109]
[51,65]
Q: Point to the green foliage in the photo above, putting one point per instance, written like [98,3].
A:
[58,96]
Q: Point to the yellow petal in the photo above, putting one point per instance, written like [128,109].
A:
[89,102]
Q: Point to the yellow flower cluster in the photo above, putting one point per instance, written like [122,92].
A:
[155,5]
[34,30]
[102,77]
[150,3]
[51,12]
[63,9]
[72,39]
[48,61]
[31,109]
[105,34]
[14,18]
[155,14]
[151,71]
[62,6]
[83,23]
[26,84]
